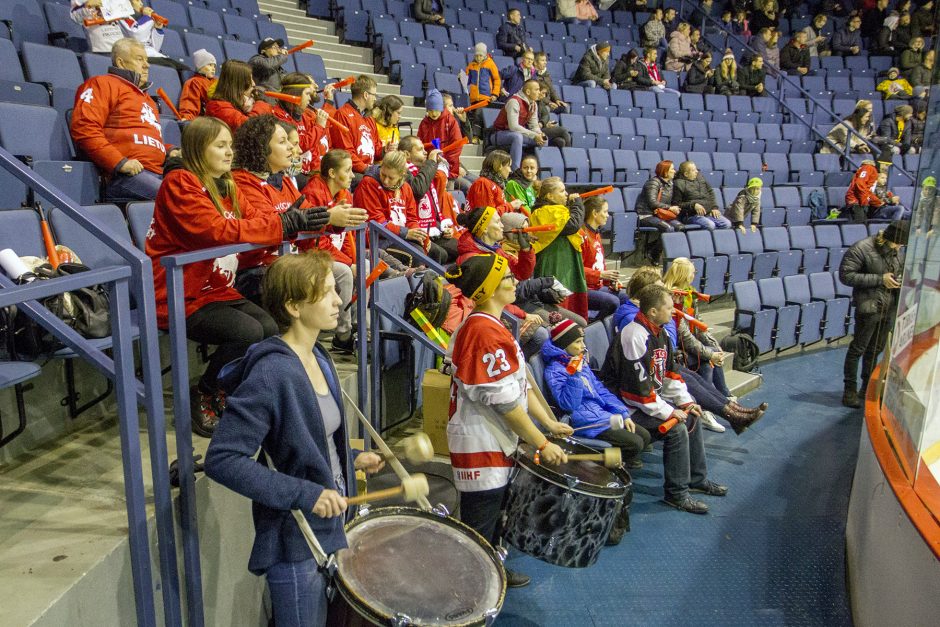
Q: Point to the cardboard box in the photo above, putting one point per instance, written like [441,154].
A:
[436,409]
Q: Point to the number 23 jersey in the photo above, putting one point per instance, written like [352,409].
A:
[489,370]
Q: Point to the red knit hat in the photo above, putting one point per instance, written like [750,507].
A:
[565,332]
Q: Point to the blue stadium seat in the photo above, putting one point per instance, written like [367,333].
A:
[12,191]
[814,259]
[207,20]
[242,50]
[38,132]
[788,260]
[88,248]
[765,260]
[601,163]
[248,8]
[822,290]
[852,233]
[66,30]
[28,20]
[623,235]
[751,317]
[772,296]
[715,266]
[77,179]
[630,194]
[676,245]
[797,291]
[577,168]
[196,41]
[175,12]
[56,67]
[739,263]
[240,27]
[550,161]
[271,29]
[139,216]
[596,342]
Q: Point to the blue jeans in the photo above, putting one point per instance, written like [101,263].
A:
[715,375]
[515,141]
[683,455]
[892,212]
[604,301]
[709,223]
[298,594]
[143,186]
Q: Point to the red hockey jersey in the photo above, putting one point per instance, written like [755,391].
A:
[592,252]
[860,191]
[362,139]
[486,193]
[223,110]
[395,210]
[447,129]
[264,198]
[342,245]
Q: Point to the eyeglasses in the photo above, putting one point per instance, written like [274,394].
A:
[372,93]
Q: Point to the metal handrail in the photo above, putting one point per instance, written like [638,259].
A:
[782,75]
[128,389]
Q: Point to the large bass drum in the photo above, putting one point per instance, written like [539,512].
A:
[563,514]
[405,566]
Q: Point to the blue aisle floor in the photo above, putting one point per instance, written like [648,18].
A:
[770,553]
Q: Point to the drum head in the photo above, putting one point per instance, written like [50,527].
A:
[589,477]
[434,570]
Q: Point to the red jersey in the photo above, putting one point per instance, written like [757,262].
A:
[592,254]
[342,245]
[264,198]
[860,191]
[314,140]
[447,129]
[395,210]
[114,120]
[225,111]
[184,219]
[361,141]
[486,193]
[194,96]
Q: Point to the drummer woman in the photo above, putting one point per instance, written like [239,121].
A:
[288,403]
[491,399]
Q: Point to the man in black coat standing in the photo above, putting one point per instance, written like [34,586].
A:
[510,38]
[872,268]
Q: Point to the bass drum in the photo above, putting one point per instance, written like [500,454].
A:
[563,514]
[405,566]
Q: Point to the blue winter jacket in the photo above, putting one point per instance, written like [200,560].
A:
[582,395]
[275,408]
[627,311]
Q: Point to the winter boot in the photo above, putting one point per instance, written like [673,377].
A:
[740,420]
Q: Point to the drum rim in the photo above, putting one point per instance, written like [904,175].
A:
[360,605]
[582,487]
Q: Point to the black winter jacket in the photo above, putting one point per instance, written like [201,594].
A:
[862,269]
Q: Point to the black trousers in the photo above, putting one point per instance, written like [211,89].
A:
[232,326]
[871,334]
[630,444]
[482,511]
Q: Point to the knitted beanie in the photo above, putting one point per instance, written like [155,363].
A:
[565,332]
[478,277]
[433,101]
[897,231]
[202,58]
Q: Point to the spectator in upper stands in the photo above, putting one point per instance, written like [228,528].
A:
[919,123]
[726,78]
[679,51]
[817,41]
[647,378]
[772,57]
[627,70]
[838,8]
[841,135]
[670,21]
[387,113]
[872,267]
[267,66]
[558,252]
[517,125]
[891,208]
[766,17]
[903,34]
[489,189]
[654,31]
[199,206]
[362,138]
[873,18]
[510,38]
[895,86]
[429,11]
[514,76]
[655,207]
[847,41]
[751,77]
[523,183]
[594,68]
[740,25]
[557,134]
[576,12]
[650,77]
[699,45]
[746,203]
[920,76]
[883,42]
[101,37]
[233,99]
[604,293]
[116,125]
[700,78]
[543,77]
[483,76]
[912,56]
[922,21]
[195,93]
[896,129]
[795,57]
[314,140]
[438,124]
[761,42]
[696,198]
[148,31]
[726,22]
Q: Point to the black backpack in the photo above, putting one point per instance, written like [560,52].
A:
[745,349]
[431,298]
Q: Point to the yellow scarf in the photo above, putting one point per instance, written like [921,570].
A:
[558,215]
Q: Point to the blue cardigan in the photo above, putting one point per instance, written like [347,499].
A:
[582,394]
[275,408]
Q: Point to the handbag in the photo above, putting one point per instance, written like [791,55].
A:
[665,214]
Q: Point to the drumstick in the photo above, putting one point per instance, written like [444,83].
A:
[417,448]
[166,98]
[380,267]
[597,192]
[413,488]
[610,457]
[387,453]
[615,423]
[300,47]
[539,228]
[47,238]
[476,105]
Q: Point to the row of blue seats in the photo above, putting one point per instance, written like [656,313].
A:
[796,310]
[724,258]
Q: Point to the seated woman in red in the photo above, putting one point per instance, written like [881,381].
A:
[330,188]
[489,189]
[199,206]
[232,100]
[311,124]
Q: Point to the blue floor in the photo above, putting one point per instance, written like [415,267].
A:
[770,553]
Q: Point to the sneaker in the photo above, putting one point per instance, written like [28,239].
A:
[687,504]
[345,344]
[711,423]
[850,399]
[710,488]
[515,579]
[732,399]
[205,418]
